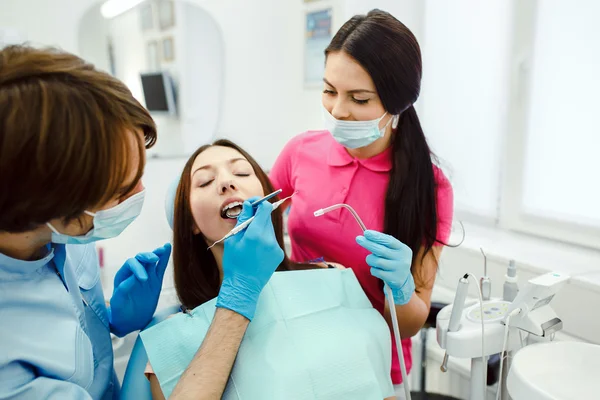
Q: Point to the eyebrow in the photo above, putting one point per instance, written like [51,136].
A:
[352,91]
[208,166]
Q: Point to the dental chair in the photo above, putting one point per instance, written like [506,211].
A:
[135,385]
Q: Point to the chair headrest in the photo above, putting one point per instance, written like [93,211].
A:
[170,201]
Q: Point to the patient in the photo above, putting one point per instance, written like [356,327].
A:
[214,183]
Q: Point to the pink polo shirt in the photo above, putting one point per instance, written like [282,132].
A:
[322,173]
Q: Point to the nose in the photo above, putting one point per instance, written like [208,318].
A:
[339,110]
[226,186]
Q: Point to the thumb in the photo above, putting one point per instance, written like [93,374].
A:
[247,212]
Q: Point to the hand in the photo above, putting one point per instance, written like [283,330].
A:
[390,261]
[249,260]
[137,287]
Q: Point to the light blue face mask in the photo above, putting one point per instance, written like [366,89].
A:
[315,335]
[355,134]
[107,223]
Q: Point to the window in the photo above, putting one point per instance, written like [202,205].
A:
[510,101]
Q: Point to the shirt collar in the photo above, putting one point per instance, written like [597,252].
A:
[339,157]
[13,268]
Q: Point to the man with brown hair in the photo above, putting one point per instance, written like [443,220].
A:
[72,154]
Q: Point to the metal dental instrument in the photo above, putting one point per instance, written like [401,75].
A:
[257,202]
[244,224]
[388,294]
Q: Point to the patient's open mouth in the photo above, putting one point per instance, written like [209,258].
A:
[232,210]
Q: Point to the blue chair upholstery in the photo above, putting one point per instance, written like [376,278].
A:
[135,385]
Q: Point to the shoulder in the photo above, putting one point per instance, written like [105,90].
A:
[309,138]
[441,181]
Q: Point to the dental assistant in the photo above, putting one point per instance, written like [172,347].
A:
[72,154]
[373,156]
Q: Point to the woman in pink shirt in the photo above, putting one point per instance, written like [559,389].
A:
[373,156]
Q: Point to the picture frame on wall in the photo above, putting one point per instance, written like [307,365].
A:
[152,58]
[168,49]
[166,14]
[317,35]
[146,16]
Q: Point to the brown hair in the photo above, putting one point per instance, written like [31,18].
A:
[196,273]
[64,137]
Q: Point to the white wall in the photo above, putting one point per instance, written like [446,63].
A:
[93,34]
[46,22]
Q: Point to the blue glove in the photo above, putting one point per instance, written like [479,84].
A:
[249,260]
[390,261]
[137,287]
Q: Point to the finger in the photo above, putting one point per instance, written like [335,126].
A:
[147,258]
[383,239]
[137,268]
[123,273]
[247,212]
[262,223]
[125,288]
[375,248]
[163,261]
[381,263]
[377,273]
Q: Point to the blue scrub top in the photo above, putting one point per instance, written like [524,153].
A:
[54,331]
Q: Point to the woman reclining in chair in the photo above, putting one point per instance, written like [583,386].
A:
[343,354]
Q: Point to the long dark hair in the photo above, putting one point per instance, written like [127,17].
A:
[389,52]
[196,273]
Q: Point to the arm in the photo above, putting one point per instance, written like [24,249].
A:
[249,260]
[19,381]
[412,316]
[207,374]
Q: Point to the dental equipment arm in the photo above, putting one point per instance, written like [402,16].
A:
[389,296]
[535,315]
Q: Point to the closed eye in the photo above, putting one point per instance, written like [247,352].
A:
[357,101]
[327,91]
[206,183]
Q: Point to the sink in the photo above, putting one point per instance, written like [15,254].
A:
[555,371]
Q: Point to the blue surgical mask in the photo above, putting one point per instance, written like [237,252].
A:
[354,134]
[108,223]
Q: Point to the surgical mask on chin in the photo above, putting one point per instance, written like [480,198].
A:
[107,223]
[354,134]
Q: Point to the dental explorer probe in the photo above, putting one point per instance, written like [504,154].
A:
[388,294]
[257,202]
[245,224]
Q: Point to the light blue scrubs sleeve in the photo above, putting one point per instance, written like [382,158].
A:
[19,382]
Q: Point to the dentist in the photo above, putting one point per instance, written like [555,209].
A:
[72,154]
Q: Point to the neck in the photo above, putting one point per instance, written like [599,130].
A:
[26,246]
[218,251]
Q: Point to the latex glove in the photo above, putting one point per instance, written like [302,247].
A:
[390,261]
[249,260]
[137,288]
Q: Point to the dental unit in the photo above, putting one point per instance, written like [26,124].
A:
[478,329]
[389,296]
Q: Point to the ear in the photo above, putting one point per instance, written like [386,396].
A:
[195,229]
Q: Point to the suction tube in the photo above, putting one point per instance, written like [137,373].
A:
[388,295]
